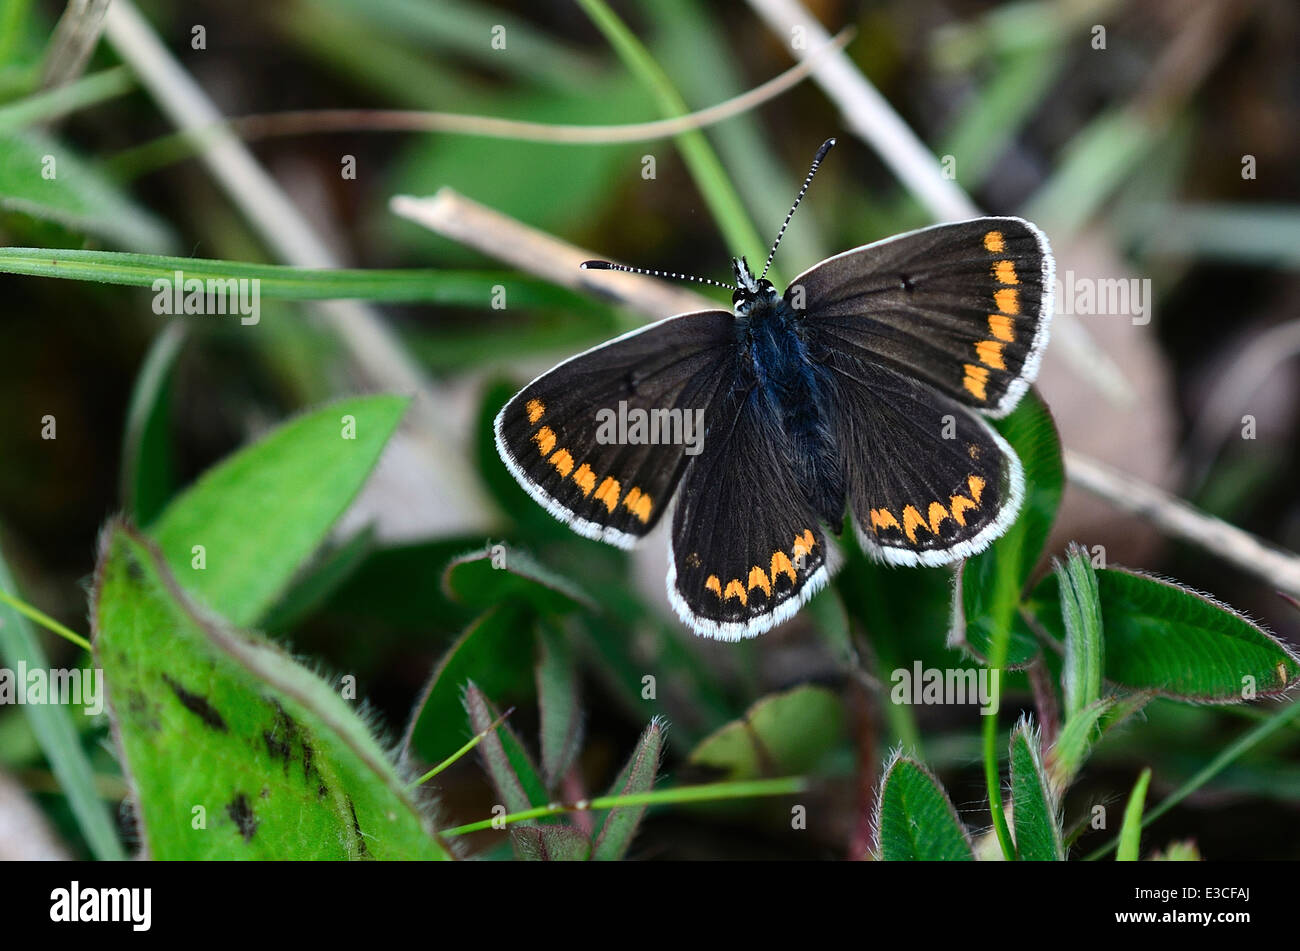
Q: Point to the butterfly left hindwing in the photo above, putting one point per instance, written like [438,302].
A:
[748,549]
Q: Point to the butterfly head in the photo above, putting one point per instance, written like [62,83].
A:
[749,289]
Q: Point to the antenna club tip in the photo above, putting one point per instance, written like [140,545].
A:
[595,265]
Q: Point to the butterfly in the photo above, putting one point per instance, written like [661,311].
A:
[866,386]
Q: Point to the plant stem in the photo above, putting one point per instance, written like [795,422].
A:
[44,620]
[463,750]
[708,792]
[992,778]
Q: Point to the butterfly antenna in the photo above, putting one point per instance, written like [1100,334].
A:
[607,266]
[816,163]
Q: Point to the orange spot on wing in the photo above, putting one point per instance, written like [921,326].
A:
[1002,327]
[757,579]
[975,380]
[990,353]
[781,564]
[1005,272]
[912,520]
[714,585]
[882,518]
[1008,300]
[638,503]
[536,409]
[936,514]
[545,439]
[585,478]
[735,590]
[803,544]
[608,492]
[976,485]
[959,505]
[993,242]
[562,461]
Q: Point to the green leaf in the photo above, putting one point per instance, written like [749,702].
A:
[514,777]
[783,734]
[281,282]
[1084,646]
[497,574]
[991,583]
[56,733]
[45,179]
[147,471]
[1173,642]
[915,820]
[261,513]
[1074,743]
[556,843]
[638,776]
[1184,851]
[1130,833]
[558,705]
[1038,828]
[219,726]
[490,652]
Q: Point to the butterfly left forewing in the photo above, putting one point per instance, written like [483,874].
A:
[965,307]
[571,436]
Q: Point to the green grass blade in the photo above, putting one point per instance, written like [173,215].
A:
[147,474]
[710,177]
[281,282]
[52,724]
[55,103]
[1130,833]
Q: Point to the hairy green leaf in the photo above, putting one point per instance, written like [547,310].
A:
[1038,829]
[232,750]
[915,820]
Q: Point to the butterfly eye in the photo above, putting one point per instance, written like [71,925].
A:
[737,297]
